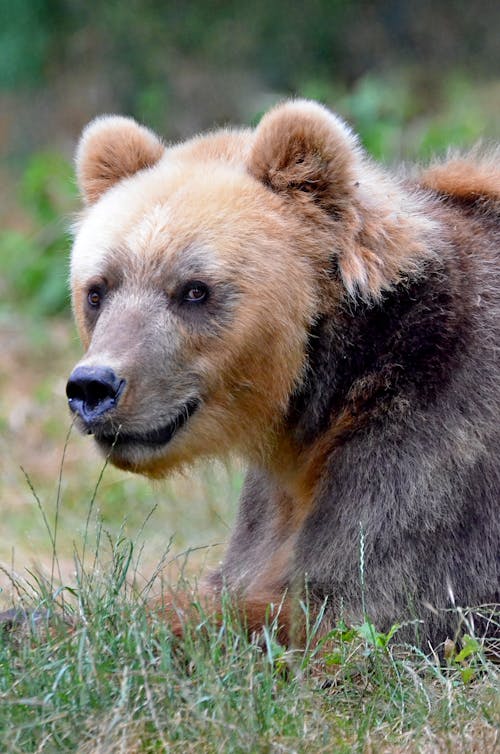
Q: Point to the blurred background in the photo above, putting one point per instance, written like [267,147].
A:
[411,77]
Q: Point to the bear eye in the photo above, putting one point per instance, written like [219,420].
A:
[94,297]
[195,293]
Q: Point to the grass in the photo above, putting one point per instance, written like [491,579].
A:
[121,683]
[118,681]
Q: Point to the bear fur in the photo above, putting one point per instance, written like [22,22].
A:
[272,293]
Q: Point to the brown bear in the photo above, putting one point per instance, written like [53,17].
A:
[272,293]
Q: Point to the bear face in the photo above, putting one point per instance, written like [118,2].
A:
[174,271]
[178,312]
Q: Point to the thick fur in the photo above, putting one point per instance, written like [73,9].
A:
[348,351]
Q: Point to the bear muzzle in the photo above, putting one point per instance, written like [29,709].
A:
[92,392]
[121,440]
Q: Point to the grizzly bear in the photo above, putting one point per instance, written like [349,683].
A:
[273,294]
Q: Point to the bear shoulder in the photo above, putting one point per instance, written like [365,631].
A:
[466,177]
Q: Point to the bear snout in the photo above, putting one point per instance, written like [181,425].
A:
[93,391]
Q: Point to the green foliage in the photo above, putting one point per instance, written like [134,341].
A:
[462,119]
[24,37]
[397,119]
[34,261]
[380,109]
[468,659]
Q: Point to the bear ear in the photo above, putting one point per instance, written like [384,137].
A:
[300,146]
[112,148]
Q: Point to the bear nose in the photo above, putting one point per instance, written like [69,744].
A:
[93,391]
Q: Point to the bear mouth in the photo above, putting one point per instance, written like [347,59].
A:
[153,438]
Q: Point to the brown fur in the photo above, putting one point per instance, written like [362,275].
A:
[464,178]
[314,161]
[289,226]
[254,612]
[105,159]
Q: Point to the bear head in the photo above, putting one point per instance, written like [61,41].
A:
[198,270]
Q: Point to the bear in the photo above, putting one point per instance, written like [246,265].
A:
[274,294]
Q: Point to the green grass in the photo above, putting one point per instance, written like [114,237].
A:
[116,680]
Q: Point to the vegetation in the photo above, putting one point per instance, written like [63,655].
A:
[103,675]
[34,260]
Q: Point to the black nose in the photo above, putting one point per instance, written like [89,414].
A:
[93,391]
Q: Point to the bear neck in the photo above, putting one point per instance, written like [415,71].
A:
[366,361]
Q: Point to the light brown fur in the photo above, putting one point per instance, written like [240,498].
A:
[103,160]
[184,609]
[465,177]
